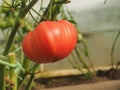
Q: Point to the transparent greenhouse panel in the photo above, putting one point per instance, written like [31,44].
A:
[101,17]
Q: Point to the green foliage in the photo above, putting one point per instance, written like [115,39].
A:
[14,24]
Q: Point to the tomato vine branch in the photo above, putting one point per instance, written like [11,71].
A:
[21,16]
[53,10]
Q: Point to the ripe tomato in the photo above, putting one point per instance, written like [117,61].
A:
[50,41]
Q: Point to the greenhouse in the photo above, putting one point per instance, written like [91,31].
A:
[59,44]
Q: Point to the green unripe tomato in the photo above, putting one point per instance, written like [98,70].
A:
[3,24]
[10,21]
[5,6]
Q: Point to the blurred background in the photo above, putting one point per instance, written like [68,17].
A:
[99,22]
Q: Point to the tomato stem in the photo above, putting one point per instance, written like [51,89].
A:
[39,14]
[53,10]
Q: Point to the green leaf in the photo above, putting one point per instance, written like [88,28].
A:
[73,21]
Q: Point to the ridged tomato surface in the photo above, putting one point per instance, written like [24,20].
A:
[50,41]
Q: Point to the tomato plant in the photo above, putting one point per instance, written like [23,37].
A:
[5,6]
[50,41]
[10,5]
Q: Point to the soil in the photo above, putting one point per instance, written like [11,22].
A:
[112,74]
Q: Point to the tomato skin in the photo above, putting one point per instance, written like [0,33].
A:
[50,41]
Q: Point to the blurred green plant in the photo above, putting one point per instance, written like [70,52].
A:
[77,63]
[12,14]
[112,50]
[105,1]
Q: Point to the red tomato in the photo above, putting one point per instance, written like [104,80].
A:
[50,41]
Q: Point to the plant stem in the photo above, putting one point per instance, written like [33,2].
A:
[21,16]
[39,14]
[3,58]
[75,63]
[29,85]
[53,9]
[2,74]
[113,47]
[11,37]
[105,1]
[7,64]
[87,53]
[82,61]
[21,74]
[13,75]
[21,82]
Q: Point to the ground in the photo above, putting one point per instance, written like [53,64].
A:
[111,74]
